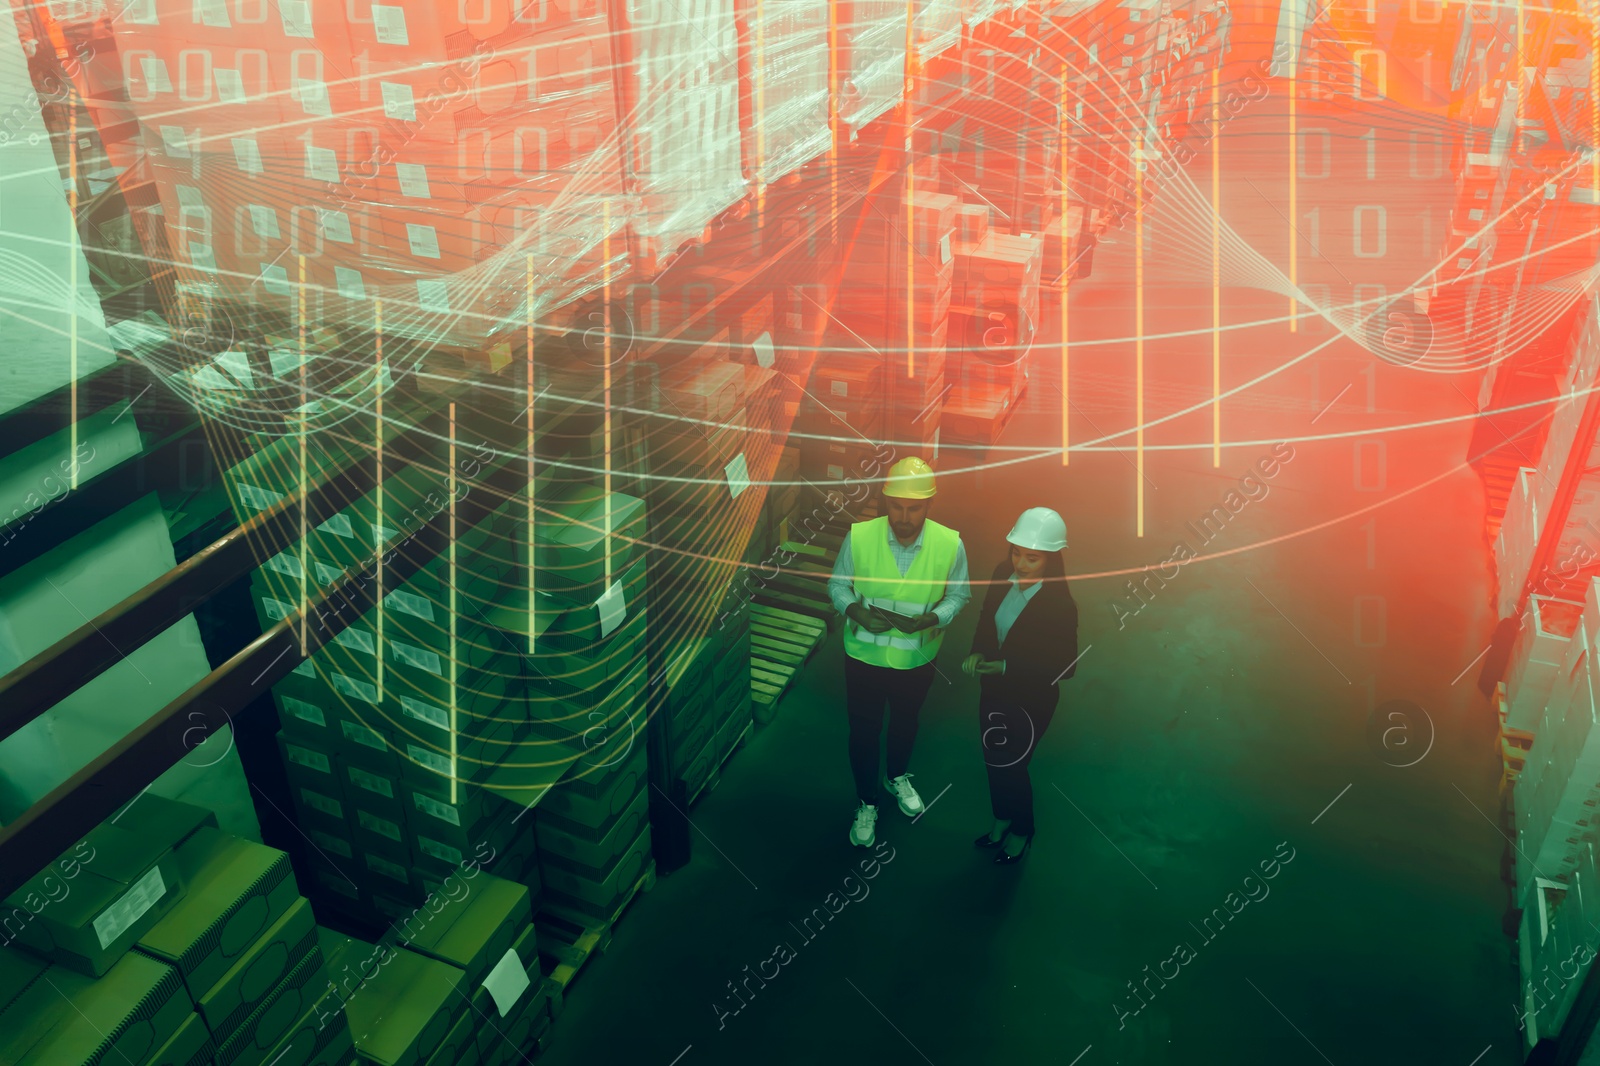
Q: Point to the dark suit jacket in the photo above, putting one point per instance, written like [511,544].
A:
[1041,649]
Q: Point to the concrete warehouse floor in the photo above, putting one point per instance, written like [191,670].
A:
[1235,719]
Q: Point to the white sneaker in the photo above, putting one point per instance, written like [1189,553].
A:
[910,802]
[864,833]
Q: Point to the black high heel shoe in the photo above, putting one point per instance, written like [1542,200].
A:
[987,841]
[1004,859]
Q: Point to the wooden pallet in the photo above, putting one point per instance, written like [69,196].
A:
[780,643]
[568,940]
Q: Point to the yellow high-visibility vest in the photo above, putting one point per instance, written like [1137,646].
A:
[879,582]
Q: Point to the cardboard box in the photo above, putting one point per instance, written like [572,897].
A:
[570,543]
[382,875]
[163,822]
[377,835]
[367,790]
[120,885]
[252,1043]
[594,794]
[710,390]
[65,1018]
[191,1045]
[320,1037]
[309,767]
[496,1031]
[238,890]
[18,970]
[251,979]
[473,931]
[595,893]
[440,854]
[596,848]
[404,1011]
[461,1043]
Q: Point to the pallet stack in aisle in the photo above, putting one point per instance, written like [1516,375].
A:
[405,763]
[209,956]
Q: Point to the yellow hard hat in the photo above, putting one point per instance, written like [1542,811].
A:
[910,479]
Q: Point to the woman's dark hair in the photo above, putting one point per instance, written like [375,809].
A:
[1054,565]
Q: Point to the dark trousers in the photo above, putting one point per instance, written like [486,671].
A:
[867,690]
[1010,734]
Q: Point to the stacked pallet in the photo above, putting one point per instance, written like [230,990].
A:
[210,955]
[405,764]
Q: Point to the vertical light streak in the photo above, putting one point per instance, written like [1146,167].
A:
[1066,406]
[377,388]
[1216,277]
[528,327]
[455,773]
[300,315]
[605,258]
[72,291]
[1138,334]
[1294,177]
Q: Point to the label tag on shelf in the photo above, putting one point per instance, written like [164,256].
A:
[762,346]
[506,982]
[612,609]
[944,248]
[117,918]
[738,474]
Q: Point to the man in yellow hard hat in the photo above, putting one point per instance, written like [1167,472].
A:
[899,581]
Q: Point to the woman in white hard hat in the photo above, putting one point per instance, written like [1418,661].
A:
[1026,643]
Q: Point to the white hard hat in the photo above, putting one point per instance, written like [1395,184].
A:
[1039,529]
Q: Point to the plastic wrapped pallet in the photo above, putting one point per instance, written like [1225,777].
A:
[40,257]
[784,44]
[872,62]
[679,81]
[938,27]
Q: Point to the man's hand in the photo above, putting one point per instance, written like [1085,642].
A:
[866,619]
[923,621]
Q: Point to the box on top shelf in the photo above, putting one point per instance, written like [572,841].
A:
[191,1045]
[401,1013]
[122,883]
[236,890]
[277,1014]
[474,932]
[122,1016]
[259,970]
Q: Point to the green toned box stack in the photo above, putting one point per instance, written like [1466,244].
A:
[226,972]
[421,733]
[705,698]
[456,983]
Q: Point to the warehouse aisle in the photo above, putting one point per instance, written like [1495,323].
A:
[1299,704]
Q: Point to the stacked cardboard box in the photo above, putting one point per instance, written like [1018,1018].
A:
[245,944]
[457,984]
[220,973]
[403,767]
